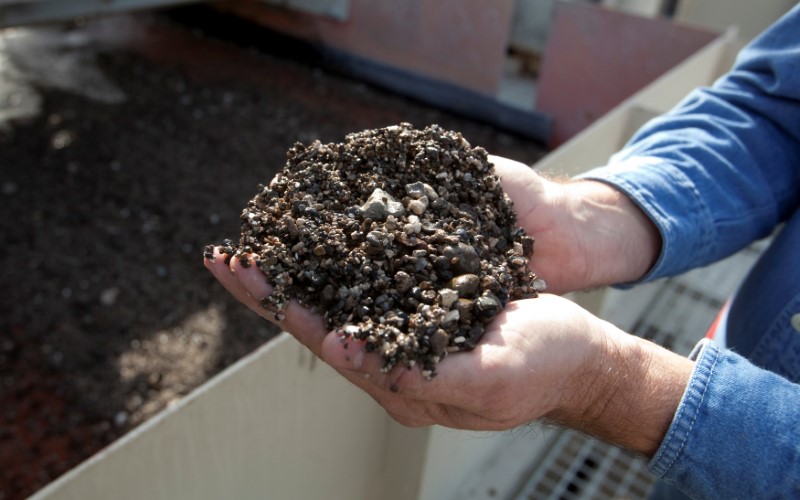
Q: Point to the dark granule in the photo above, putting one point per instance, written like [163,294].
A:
[399,237]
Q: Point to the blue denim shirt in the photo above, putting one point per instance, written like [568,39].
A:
[719,171]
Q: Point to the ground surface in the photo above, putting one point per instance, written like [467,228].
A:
[126,144]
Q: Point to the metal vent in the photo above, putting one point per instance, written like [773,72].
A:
[579,467]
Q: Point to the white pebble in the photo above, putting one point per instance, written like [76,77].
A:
[121,418]
[418,206]
[109,296]
[451,316]
[448,297]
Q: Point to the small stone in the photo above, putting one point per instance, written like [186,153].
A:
[414,226]
[517,262]
[447,297]
[464,308]
[109,296]
[465,285]
[380,205]
[474,335]
[463,259]
[487,306]
[417,190]
[403,281]
[121,418]
[10,188]
[450,317]
[439,341]
[527,246]
[419,206]
[430,192]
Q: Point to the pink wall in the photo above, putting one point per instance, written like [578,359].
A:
[457,41]
[597,57]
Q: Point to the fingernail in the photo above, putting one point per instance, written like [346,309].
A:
[208,253]
[358,360]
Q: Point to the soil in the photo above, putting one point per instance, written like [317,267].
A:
[126,144]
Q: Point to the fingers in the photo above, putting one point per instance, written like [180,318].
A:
[225,275]
[249,286]
[308,327]
[450,386]
[404,392]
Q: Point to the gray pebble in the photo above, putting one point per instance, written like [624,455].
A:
[487,306]
[380,205]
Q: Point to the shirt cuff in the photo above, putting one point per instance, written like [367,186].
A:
[705,354]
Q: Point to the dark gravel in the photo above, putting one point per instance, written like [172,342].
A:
[399,237]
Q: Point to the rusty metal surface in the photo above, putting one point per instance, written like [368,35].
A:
[597,57]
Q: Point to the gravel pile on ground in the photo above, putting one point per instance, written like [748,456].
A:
[399,237]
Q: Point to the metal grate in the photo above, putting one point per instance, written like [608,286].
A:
[674,313]
[580,467]
[684,307]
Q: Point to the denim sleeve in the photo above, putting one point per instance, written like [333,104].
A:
[722,169]
[734,419]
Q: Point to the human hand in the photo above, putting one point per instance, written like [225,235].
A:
[535,355]
[587,233]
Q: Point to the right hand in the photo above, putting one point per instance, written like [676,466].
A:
[539,358]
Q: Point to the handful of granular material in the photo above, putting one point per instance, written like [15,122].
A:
[401,238]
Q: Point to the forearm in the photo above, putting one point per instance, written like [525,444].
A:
[628,394]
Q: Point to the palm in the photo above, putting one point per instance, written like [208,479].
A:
[491,387]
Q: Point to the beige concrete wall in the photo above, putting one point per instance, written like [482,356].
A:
[279,424]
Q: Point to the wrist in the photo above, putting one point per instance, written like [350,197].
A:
[628,392]
[620,242]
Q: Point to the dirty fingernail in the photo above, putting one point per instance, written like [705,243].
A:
[358,360]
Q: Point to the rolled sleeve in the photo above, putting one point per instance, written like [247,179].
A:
[734,419]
